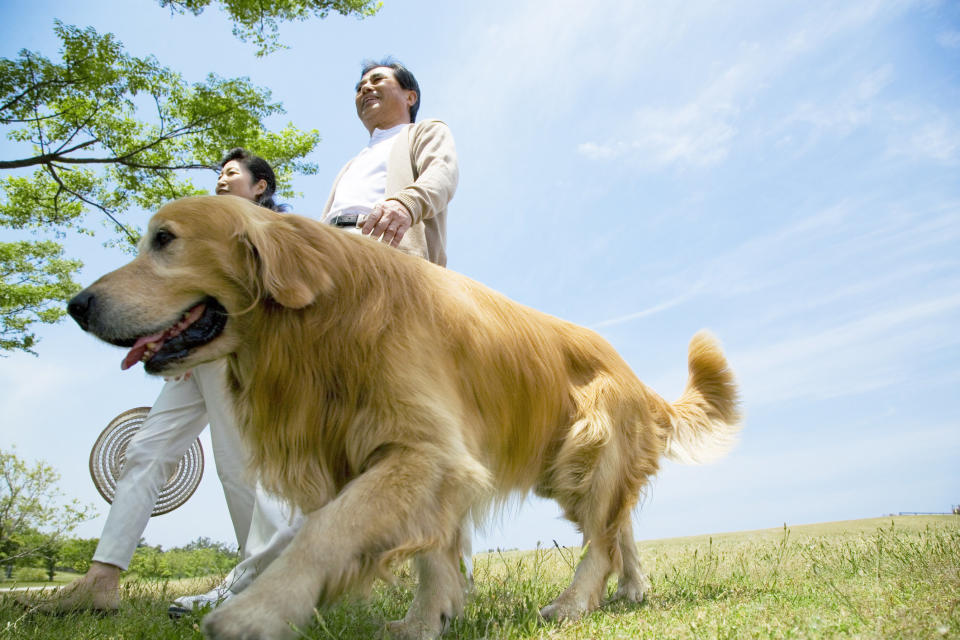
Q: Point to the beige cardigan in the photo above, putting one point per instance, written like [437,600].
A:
[422,175]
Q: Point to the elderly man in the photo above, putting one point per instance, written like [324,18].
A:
[398,187]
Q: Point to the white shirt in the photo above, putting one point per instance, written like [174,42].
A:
[364,182]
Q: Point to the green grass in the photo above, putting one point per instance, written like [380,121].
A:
[891,577]
[59,578]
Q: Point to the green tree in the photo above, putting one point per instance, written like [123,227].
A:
[257,19]
[47,552]
[150,562]
[31,502]
[203,542]
[101,130]
[34,278]
[78,552]
[202,557]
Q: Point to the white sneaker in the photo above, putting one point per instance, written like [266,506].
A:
[192,604]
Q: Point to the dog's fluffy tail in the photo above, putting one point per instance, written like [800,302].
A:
[706,418]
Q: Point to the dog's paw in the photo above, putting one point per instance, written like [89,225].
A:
[563,609]
[631,591]
[231,623]
[408,629]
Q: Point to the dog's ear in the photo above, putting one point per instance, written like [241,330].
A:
[288,267]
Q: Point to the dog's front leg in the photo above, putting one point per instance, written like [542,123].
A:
[439,598]
[398,505]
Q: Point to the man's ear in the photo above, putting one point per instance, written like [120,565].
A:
[287,267]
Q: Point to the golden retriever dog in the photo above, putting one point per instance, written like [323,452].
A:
[389,398]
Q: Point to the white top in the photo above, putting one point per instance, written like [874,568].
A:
[364,182]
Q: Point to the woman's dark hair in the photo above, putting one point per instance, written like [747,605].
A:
[260,169]
[404,78]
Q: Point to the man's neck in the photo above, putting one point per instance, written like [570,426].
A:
[387,126]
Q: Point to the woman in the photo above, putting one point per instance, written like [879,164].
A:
[183,408]
[248,176]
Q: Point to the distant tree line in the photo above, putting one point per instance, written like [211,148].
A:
[36,518]
[199,558]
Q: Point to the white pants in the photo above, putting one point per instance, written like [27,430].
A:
[181,411]
[272,527]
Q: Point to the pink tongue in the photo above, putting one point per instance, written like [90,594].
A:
[140,346]
[136,352]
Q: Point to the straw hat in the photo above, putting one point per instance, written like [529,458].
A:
[109,456]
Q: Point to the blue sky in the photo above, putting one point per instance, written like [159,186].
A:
[784,174]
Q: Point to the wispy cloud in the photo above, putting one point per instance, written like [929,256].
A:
[852,298]
[696,134]
[847,454]
[836,115]
[949,39]
[649,311]
[704,130]
[878,350]
[893,241]
[924,133]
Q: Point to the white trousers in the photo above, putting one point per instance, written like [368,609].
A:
[272,527]
[181,411]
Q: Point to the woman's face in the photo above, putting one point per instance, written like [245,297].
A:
[237,180]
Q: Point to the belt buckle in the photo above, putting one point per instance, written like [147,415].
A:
[348,220]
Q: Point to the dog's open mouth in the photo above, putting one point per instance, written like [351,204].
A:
[197,326]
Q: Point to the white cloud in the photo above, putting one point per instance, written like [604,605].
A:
[924,134]
[817,249]
[665,137]
[949,39]
[596,151]
[871,352]
[703,130]
[663,306]
[852,298]
[696,134]
[842,113]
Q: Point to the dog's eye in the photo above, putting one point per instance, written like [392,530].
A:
[161,239]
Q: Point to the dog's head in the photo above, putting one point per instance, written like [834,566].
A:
[203,264]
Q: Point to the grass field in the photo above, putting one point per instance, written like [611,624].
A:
[894,577]
[59,578]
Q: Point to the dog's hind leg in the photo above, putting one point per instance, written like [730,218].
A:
[632,584]
[592,479]
[403,504]
[589,507]
[584,593]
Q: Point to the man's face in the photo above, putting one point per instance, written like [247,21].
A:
[381,101]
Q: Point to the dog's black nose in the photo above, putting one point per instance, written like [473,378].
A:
[79,308]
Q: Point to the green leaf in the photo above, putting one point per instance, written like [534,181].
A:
[36,280]
[257,20]
[101,131]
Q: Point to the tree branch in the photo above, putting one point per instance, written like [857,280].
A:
[36,85]
[121,226]
[47,158]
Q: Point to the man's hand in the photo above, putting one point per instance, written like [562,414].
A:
[388,221]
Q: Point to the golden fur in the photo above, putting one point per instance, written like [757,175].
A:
[388,397]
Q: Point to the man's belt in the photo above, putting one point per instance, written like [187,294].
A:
[346,219]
